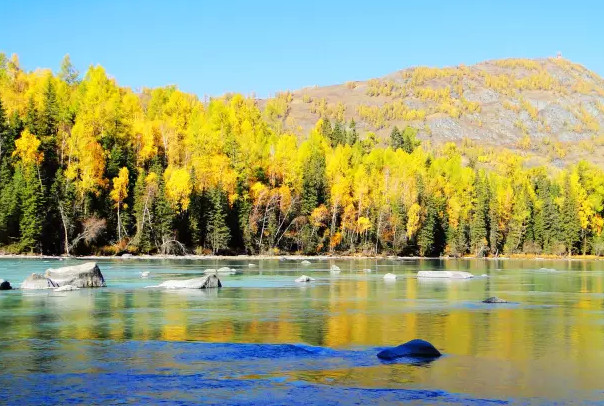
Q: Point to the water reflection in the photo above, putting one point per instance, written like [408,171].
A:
[548,344]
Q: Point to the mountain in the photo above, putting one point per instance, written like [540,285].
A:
[550,109]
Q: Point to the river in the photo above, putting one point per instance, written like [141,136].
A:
[264,339]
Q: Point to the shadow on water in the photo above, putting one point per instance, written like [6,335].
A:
[157,345]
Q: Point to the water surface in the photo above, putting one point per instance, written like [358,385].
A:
[264,339]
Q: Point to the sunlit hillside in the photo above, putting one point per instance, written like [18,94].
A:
[551,108]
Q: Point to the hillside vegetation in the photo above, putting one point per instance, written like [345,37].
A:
[549,109]
[87,166]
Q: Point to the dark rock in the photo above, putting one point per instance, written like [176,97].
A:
[5,285]
[412,349]
[494,299]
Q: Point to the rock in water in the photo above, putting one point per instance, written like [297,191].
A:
[251,265]
[5,285]
[205,282]
[412,349]
[445,274]
[494,299]
[334,268]
[86,275]
[66,288]
[305,278]
[305,262]
[37,281]
[390,277]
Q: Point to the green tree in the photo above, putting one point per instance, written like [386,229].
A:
[479,226]
[218,231]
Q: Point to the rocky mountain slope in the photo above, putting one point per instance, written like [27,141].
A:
[550,109]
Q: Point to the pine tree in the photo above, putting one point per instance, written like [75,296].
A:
[218,231]
[338,135]
[30,197]
[396,138]
[31,120]
[409,139]
[479,226]
[5,135]
[571,224]
[352,135]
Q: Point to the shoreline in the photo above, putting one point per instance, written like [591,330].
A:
[293,257]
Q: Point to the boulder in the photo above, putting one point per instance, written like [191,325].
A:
[37,281]
[305,262]
[445,274]
[334,268]
[86,275]
[204,282]
[66,288]
[367,270]
[225,270]
[305,278]
[251,265]
[494,299]
[5,285]
[390,277]
[411,349]
[145,274]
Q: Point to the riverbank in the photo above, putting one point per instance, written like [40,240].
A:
[294,257]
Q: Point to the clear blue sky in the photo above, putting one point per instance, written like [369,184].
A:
[211,47]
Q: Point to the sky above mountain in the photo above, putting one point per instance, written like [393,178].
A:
[210,47]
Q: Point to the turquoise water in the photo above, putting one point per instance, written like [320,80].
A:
[264,339]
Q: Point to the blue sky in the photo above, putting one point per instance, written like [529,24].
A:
[262,47]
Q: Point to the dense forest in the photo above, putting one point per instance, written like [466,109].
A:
[89,167]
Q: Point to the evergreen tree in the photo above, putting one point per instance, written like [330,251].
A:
[218,231]
[396,138]
[30,197]
[479,226]
[570,222]
[31,120]
[338,135]
[5,135]
[352,135]
[409,139]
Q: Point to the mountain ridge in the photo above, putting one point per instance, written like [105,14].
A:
[544,107]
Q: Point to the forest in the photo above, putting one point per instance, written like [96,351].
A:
[89,167]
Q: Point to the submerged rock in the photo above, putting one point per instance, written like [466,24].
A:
[86,275]
[494,299]
[5,285]
[445,274]
[412,349]
[390,277]
[225,270]
[37,281]
[305,278]
[204,282]
[66,288]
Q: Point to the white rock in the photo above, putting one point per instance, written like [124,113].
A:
[208,281]
[225,270]
[390,277]
[66,288]
[251,265]
[445,274]
[334,268]
[305,278]
[305,262]
[145,274]
[367,270]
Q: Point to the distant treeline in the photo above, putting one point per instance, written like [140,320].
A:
[87,166]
